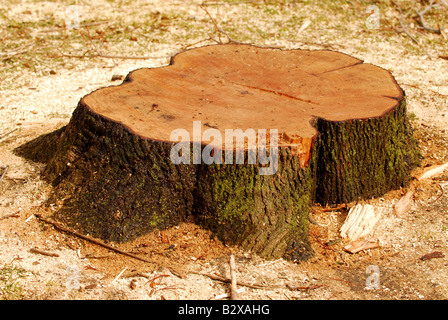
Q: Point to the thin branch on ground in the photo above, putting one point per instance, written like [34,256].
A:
[11,215]
[100,55]
[45,253]
[80,235]
[218,30]
[422,18]
[4,173]
[403,25]
[233,281]
[10,54]
[222,279]
[95,52]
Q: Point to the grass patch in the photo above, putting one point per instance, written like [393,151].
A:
[10,289]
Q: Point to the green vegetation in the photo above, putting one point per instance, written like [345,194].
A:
[10,289]
[37,39]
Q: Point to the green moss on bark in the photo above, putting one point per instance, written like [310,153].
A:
[365,158]
[267,214]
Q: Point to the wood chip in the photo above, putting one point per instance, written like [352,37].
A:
[433,171]
[360,245]
[432,255]
[404,204]
[90,286]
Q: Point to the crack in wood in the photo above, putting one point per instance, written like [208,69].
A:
[277,93]
[344,67]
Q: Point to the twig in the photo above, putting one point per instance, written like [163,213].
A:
[119,275]
[81,26]
[222,279]
[441,195]
[95,257]
[137,274]
[233,285]
[80,235]
[11,215]
[100,55]
[403,26]
[11,54]
[407,32]
[7,133]
[297,288]
[422,19]
[4,172]
[45,253]
[218,29]
[156,277]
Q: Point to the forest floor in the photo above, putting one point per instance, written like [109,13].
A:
[47,67]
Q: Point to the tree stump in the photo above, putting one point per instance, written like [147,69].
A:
[342,134]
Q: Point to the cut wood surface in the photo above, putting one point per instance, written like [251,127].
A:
[360,221]
[343,134]
[246,87]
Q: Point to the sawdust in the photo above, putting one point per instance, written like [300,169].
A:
[40,103]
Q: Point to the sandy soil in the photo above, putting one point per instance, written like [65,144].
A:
[40,98]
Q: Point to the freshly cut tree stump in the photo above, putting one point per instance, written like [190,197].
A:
[343,134]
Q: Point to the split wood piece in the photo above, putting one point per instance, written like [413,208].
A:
[433,171]
[45,253]
[360,245]
[360,221]
[404,204]
[343,134]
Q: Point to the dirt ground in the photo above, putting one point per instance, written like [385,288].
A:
[46,69]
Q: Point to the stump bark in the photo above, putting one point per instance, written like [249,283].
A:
[343,134]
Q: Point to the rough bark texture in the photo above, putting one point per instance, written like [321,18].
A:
[118,184]
[365,158]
